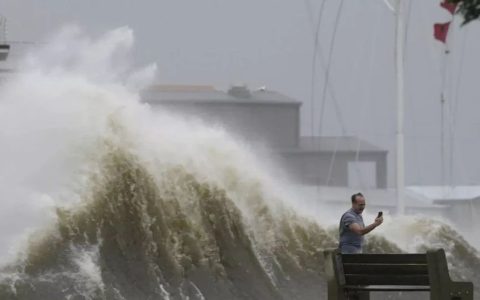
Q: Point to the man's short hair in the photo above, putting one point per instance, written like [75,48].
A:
[354,196]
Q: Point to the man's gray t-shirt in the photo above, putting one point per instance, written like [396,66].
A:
[348,237]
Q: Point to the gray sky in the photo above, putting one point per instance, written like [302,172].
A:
[270,42]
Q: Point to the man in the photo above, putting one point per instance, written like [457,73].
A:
[352,229]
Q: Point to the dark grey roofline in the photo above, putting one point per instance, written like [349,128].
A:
[330,144]
[453,201]
[412,204]
[214,96]
[216,102]
[310,151]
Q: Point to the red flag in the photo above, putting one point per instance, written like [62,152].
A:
[451,7]
[440,31]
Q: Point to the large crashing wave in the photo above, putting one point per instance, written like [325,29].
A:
[156,207]
[178,238]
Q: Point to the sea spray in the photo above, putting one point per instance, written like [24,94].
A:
[105,199]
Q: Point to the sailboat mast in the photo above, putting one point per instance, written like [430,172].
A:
[399,64]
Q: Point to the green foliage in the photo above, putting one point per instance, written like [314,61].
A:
[469,9]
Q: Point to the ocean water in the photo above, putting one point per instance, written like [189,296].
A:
[102,198]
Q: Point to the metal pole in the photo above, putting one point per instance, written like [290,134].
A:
[399,58]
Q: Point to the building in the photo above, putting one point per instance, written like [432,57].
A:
[337,161]
[272,119]
[4,51]
[5,70]
[463,213]
[462,206]
[337,200]
[4,46]
[259,116]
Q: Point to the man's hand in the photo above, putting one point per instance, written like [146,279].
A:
[362,231]
[378,221]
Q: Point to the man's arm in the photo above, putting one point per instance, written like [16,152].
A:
[362,231]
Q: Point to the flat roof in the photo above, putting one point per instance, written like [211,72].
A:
[447,193]
[158,94]
[374,197]
[349,144]
[456,201]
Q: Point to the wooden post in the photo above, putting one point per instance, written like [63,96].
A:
[334,277]
[442,287]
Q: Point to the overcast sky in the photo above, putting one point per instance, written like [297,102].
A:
[270,42]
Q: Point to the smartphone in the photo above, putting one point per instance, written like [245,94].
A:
[380,213]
